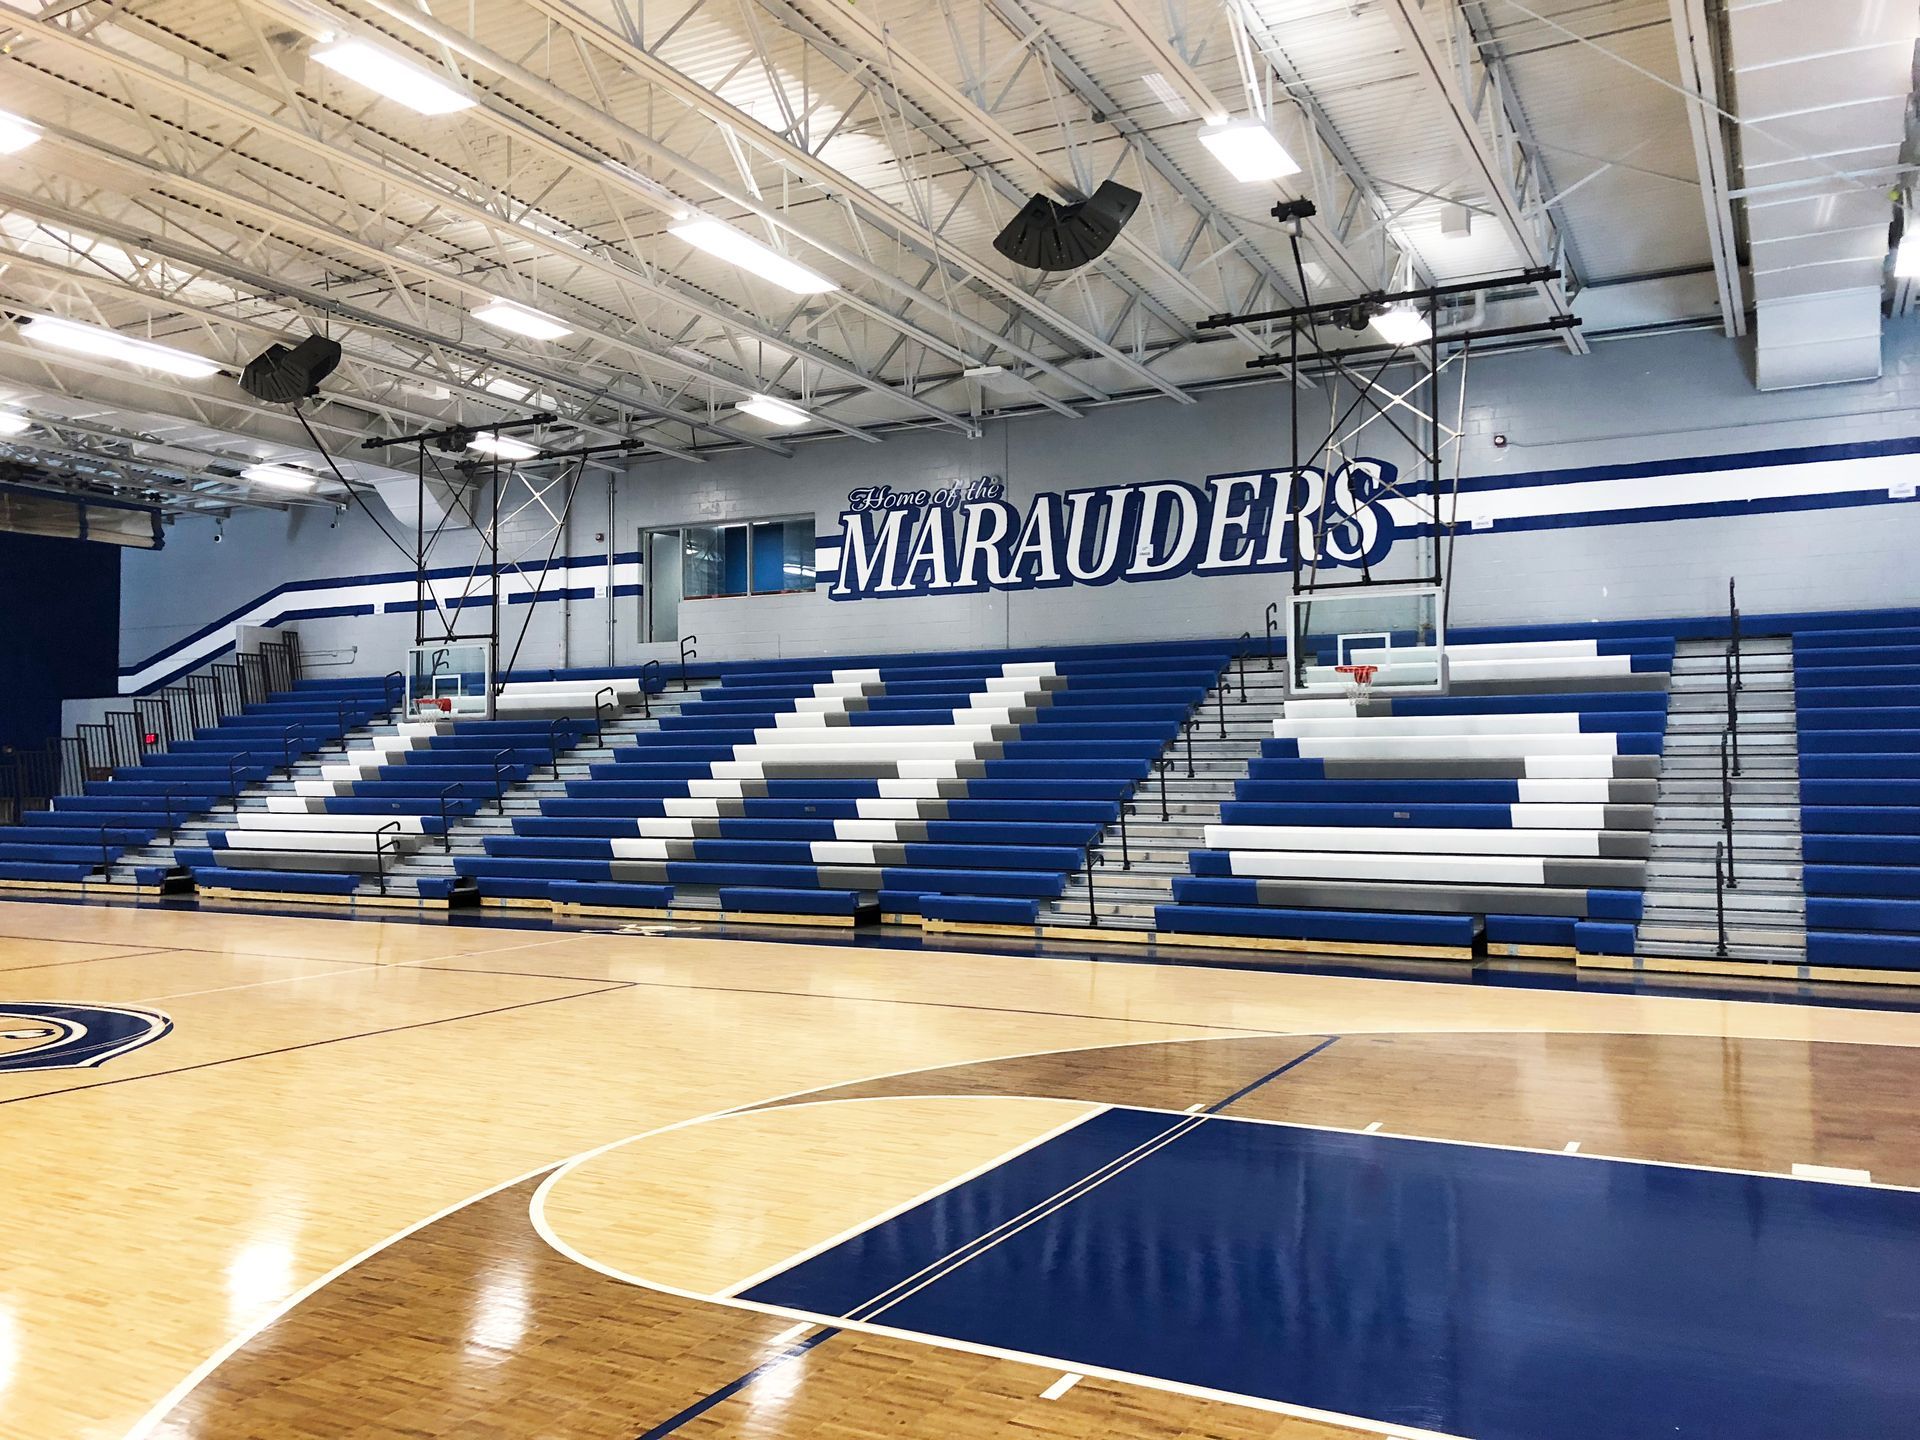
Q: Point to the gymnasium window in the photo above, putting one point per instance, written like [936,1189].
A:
[757,557]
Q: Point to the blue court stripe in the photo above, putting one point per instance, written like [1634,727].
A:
[734,1387]
[1271,1075]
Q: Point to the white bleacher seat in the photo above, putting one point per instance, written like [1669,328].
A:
[1552,722]
[1425,869]
[317,821]
[1405,840]
[1453,747]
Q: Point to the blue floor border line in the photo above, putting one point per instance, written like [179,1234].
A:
[1492,972]
[1269,1077]
[734,1387]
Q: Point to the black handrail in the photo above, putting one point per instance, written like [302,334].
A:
[646,705]
[600,708]
[1193,719]
[1726,807]
[1720,900]
[1163,764]
[1093,913]
[388,693]
[687,652]
[233,774]
[380,850]
[1126,854]
[172,827]
[1220,701]
[105,846]
[1273,624]
[446,825]
[1733,631]
[499,790]
[553,739]
[1240,660]
[1733,710]
[286,744]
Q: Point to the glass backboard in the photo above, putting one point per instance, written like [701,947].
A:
[1380,639]
[450,679]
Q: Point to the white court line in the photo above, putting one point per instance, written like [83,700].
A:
[932,1192]
[148,1423]
[1061,1386]
[788,1336]
[1372,1129]
[1572,1147]
[1832,1174]
[1195,1108]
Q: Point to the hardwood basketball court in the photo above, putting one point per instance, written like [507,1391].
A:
[382,1178]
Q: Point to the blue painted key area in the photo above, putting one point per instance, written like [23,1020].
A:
[1487,1293]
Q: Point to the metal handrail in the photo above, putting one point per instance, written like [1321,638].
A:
[387,692]
[687,652]
[1273,624]
[1163,764]
[105,846]
[1093,912]
[1726,806]
[600,708]
[1720,899]
[646,705]
[286,744]
[553,739]
[499,790]
[1733,709]
[1733,631]
[1126,854]
[1240,661]
[1220,700]
[380,850]
[446,824]
[1193,719]
[172,826]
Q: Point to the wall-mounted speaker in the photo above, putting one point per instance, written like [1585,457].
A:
[1050,236]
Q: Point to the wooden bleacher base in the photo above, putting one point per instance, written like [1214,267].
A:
[307,897]
[1511,950]
[55,885]
[1756,969]
[707,917]
[1087,935]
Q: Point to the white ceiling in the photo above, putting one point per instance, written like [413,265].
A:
[201,182]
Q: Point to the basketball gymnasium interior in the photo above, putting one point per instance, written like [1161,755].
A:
[959,718]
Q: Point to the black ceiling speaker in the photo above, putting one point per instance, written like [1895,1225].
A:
[1047,236]
[284,375]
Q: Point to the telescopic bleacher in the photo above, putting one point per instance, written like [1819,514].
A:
[113,826]
[327,835]
[1516,809]
[1858,706]
[955,788]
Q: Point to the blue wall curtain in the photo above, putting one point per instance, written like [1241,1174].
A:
[59,631]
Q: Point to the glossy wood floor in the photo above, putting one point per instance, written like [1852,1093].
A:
[329,1083]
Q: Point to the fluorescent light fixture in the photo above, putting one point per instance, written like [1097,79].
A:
[716,237]
[502,447]
[386,74]
[1906,260]
[16,134]
[1402,324]
[279,477]
[773,411]
[12,423]
[983,372]
[1163,91]
[112,345]
[1248,149]
[520,320]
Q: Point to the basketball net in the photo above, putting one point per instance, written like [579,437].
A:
[1359,680]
